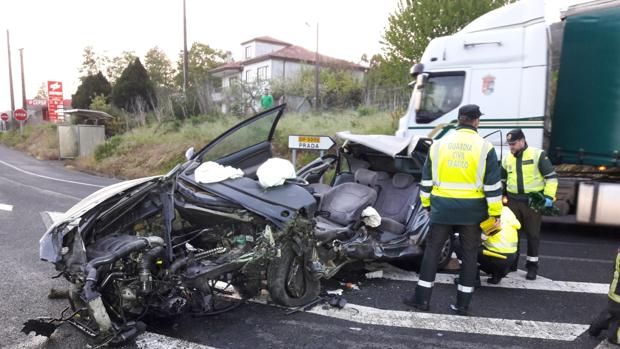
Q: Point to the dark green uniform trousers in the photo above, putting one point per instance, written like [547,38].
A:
[530,225]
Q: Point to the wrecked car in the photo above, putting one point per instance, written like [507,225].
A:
[179,243]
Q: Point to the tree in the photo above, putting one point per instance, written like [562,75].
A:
[159,67]
[42,91]
[416,22]
[92,86]
[134,90]
[117,64]
[92,63]
[202,58]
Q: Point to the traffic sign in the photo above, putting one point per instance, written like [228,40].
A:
[310,142]
[4,117]
[20,114]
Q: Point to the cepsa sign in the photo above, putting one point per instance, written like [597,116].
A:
[310,142]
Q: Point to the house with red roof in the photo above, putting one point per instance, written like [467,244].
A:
[266,59]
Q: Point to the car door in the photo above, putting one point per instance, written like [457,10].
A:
[246,145]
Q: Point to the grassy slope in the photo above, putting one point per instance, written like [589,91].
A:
[150,150]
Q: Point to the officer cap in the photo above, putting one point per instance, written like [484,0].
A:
[470,111]
[514,135]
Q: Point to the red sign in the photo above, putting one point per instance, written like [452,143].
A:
[36,102]
[55,101]
[4,117]
[20,114]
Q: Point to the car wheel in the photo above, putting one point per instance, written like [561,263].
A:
[445,253]
[289,281]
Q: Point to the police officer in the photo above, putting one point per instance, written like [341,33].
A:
[498,250]
[609,319]
[526,170]
[461,186]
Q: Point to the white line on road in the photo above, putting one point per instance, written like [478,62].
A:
[575,259]
[518,282]
[50,192]
[51,178]
[604,344]
[453,323]
[152,340]
[5,207]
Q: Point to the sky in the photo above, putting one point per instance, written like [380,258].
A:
[53,33]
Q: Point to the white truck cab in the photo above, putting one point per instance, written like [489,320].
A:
[499,62]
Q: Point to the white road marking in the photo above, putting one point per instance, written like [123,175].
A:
[511,281]
[604,344]
[454,323]
[49,192]
[50,178]
[5,207]
[152,340]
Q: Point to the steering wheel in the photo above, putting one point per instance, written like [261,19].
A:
[297,181]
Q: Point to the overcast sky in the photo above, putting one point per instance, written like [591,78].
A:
[53,33]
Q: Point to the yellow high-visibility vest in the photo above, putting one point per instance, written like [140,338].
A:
[458,165]
[533,180]
[613,291]
[506,240]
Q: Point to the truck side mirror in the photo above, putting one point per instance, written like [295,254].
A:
[418,89]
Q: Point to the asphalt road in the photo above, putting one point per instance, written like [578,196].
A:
[551,312]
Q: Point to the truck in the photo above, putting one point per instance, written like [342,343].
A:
[559,83]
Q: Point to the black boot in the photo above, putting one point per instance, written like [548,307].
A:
[420,300]
[494,279]
[599,324]
[462,303]
[532,270]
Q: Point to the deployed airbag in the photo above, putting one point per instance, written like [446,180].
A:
[274,172]
[212,172]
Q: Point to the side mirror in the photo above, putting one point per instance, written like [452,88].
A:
[418,89]
[189,153]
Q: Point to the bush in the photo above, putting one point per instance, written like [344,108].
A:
[108,148]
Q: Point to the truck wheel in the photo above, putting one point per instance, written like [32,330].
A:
[289,282]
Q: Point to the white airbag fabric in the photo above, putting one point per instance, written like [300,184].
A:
[212,172]
[274,172]
[371,217]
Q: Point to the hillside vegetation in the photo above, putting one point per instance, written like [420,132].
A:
[155,149]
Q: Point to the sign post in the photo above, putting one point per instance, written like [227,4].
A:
[308,142]
[20,115]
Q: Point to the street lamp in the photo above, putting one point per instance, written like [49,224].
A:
[316,68]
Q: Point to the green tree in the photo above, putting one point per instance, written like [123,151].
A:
[116,65]
[93,63]
[202,58]
[91,86]
[42,91]
[159,67]
[416,22]
[134,90]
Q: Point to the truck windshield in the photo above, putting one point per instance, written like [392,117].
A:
[441,93]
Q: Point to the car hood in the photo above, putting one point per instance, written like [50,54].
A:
[386,144]
[50,242]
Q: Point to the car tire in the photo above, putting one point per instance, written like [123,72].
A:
[445,254]
[290,283]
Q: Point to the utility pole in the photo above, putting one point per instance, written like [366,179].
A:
[316,70]
[8,47]
[185,58]
[21,61]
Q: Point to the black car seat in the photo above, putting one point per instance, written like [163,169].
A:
[341,207]
[395,200]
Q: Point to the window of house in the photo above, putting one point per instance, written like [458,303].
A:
[248,52]
[233,80]
[248,75]
[261,73]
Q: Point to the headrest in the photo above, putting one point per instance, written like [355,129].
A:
[402,180]
[366,177]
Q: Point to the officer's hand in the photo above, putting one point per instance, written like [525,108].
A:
[548,202]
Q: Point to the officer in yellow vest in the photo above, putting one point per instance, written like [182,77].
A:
[499,250]
[461,187]
[526,170]
[609,319]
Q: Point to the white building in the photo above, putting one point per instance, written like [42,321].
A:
[266,59]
